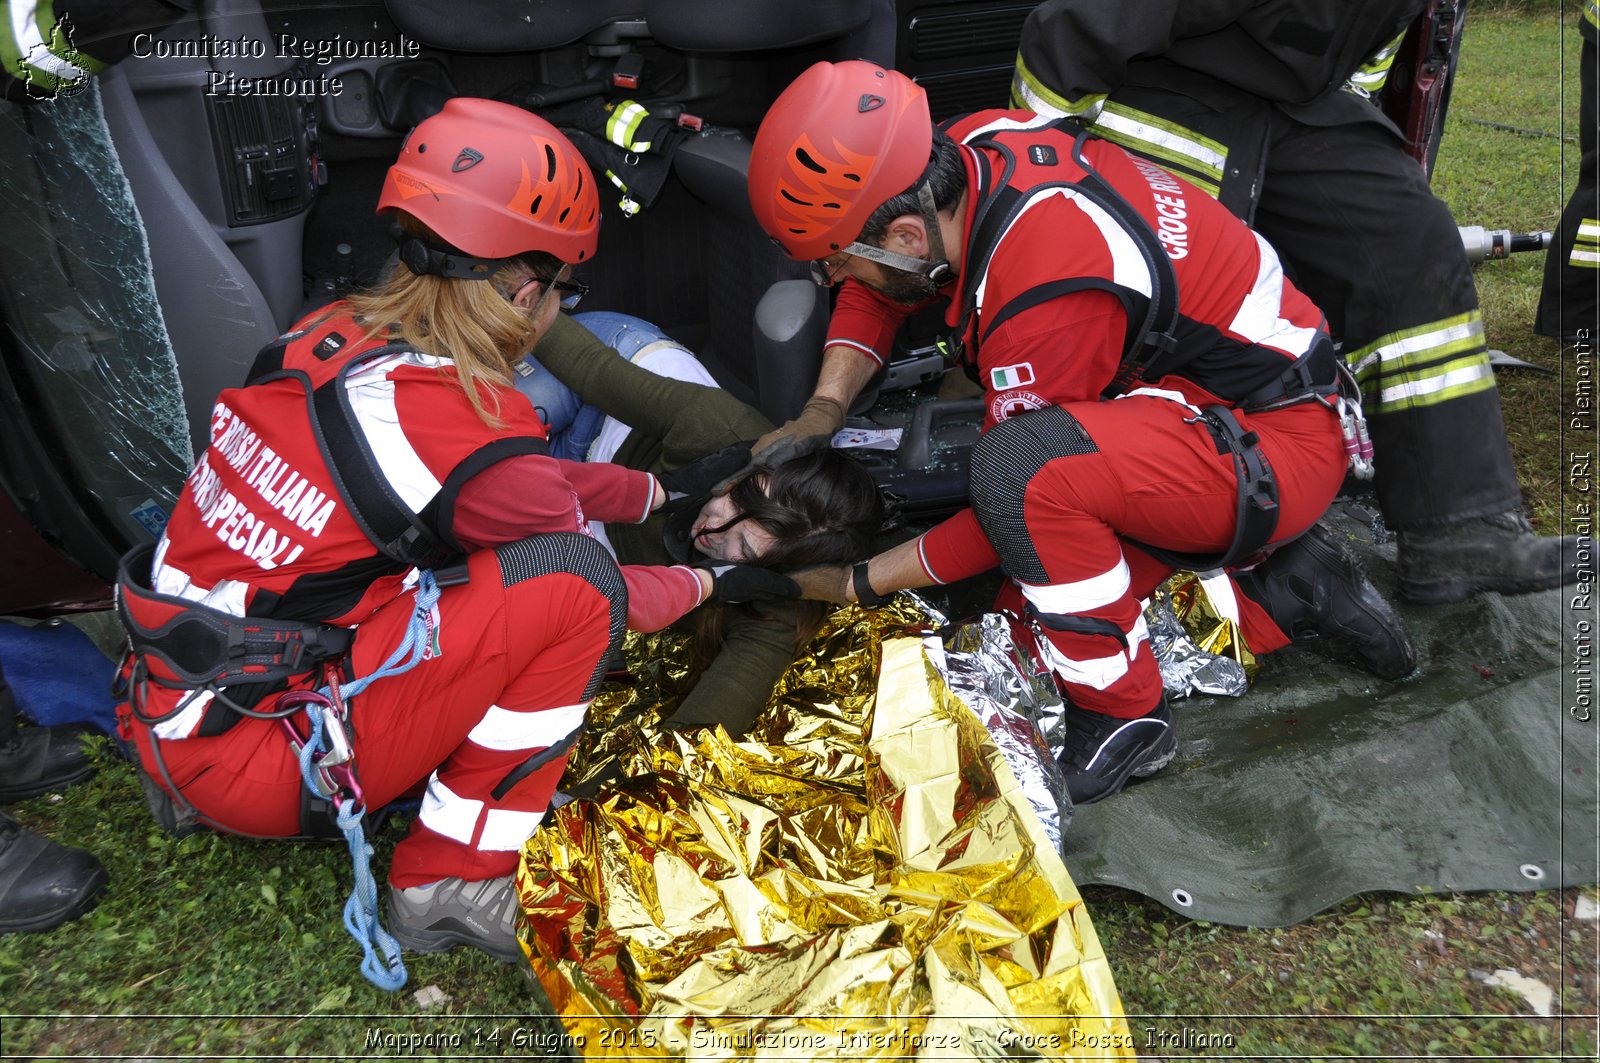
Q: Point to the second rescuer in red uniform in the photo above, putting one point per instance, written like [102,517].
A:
[1156,386]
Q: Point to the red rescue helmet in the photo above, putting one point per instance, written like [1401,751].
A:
[496,181]
[841,141]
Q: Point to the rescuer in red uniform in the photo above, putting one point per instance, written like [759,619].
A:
[379,439]
[1158,392]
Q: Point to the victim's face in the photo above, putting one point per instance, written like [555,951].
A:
[722,532]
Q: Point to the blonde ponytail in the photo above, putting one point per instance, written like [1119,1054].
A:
[470,322]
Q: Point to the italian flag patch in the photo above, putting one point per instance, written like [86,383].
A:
[1011,376]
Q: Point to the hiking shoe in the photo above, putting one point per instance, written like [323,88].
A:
[453,912]
[1313,588]
[1499,553]
[43,884]
[39,759]
[1102,752]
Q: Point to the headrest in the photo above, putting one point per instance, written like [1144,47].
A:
[498,26]
[751,25]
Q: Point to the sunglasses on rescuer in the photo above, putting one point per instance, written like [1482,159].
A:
[570,291]
[825,271]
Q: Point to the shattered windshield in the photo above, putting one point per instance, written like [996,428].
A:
[85,341]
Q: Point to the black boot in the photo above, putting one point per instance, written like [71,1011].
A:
[1102,752]
[39,759]
[1498,553]
[1313,588]
[42,884]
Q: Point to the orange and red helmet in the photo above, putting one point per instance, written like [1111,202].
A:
[838,143]
[496,181]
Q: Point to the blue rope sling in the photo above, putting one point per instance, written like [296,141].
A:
[361,908]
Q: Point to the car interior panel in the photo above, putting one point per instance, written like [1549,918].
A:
[255,207]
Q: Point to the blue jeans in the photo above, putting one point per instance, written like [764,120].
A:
[574,423]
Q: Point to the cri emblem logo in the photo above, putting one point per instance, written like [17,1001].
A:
[1011,403]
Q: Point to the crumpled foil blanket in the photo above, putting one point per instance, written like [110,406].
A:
[865,875]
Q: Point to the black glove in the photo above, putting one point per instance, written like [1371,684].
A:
[698,478]
[750,583]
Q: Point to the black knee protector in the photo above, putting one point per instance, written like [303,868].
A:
[1006,458]
[582,556]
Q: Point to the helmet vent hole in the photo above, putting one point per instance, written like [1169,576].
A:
[785,193]
[562,217]
[798,232]
[808,162]
[533,208]
[550,163]
[852,177]
[832,206]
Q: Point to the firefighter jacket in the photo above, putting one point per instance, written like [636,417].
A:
[1074,53]
[1049,316]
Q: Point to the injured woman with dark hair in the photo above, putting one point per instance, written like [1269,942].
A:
[614,388]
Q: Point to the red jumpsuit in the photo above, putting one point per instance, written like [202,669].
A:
[1145,468]
[514,653]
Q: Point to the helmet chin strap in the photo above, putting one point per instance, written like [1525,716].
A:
[936,267]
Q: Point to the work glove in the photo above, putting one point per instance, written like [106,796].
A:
[750,583]
[823,583]
[701,478]
[806,434]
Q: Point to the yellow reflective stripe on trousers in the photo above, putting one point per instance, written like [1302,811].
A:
[1371,75]
[1586,247]
[1423,366]
[1029,93]
[1199,160]
[1591,11]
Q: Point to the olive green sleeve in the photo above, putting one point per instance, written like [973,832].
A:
[691,420]
[735,686]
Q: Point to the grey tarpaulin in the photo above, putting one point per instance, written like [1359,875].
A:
[1322,783]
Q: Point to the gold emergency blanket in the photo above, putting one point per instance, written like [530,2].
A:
[860,877]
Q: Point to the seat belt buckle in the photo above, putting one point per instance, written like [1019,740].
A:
[629,68]
[692,122]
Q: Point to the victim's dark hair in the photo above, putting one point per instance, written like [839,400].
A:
[823,508]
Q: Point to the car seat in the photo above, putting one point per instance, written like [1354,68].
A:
[693,260]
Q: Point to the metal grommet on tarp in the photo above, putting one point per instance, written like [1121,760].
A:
[1182,898]
[1532,872]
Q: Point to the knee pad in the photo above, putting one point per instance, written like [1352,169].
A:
[580,555]
[1006,458]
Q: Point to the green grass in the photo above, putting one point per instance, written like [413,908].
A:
[1501,179]
[210,946]
[246,932]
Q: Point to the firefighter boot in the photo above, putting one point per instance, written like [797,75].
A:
[37,760]
[1102,752]
[42,884]
[1314,589]
[453,911]
[1498,553]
